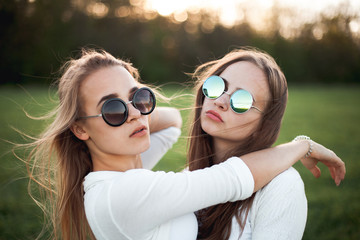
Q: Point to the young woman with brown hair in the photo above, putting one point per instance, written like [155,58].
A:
[240,102]
[90,160]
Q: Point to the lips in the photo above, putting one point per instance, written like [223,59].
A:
[214,116]
[140,131]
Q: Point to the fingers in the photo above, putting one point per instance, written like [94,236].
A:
[335,165]
[332,172]
[315,171]
[338,169]
[331,160]
[340,172]
[334,175]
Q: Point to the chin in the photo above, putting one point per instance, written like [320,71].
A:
[139,147]
[146,147]
[137,150]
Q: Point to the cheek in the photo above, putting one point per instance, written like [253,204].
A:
[207,102]
[109,137]
[235,127]
[117,142]
[103,135]
[205,123]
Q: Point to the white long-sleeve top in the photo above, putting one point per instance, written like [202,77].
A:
[279,210]
[142,204]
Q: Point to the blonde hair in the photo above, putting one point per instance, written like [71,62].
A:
[59,161]
[215,221]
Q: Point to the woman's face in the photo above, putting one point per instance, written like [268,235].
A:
[217,118]
[103,140]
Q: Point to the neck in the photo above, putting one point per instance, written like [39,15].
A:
[116,163]
[221,147]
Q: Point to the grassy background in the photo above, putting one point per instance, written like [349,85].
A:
[329,115]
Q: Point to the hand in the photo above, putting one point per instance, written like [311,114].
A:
[329,158]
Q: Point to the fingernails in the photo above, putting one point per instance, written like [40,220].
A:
[338,183]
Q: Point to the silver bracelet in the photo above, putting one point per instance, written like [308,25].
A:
[303,137]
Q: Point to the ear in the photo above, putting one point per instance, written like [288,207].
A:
[79,132]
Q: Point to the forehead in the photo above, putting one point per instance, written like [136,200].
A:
[105,81]
[248,76]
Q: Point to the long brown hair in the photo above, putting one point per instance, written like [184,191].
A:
[215,222]
[59,161]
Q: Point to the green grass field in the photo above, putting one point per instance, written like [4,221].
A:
[329,115]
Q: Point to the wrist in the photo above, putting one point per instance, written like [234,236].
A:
[310,144]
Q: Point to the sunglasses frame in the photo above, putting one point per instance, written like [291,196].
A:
[230,95]
[126,113]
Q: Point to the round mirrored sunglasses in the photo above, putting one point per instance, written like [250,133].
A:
[115,112]
[241,100]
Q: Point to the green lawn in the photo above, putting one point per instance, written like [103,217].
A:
[329,115]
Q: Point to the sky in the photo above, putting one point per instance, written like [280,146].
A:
[257,11]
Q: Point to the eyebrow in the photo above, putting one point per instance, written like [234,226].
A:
[132,91]
[111,95]
[115,95]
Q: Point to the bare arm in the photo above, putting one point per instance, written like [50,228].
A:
[268,163]
[164,117]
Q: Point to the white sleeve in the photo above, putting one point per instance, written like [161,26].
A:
[279,210]
[147,198]
[160,143]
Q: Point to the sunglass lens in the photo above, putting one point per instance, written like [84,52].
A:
[241,101]
[144,100]
[213,87]
[114,112]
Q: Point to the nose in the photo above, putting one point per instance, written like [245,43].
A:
[134,113]
[222,102]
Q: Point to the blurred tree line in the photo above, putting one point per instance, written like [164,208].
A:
[37,36]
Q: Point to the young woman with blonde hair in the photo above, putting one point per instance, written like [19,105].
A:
[240,102]
[90,160]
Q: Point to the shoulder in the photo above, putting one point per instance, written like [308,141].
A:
[290,179]
[279,209]
[288,185]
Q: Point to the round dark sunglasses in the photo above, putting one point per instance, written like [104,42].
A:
[115,112]
[241,100]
